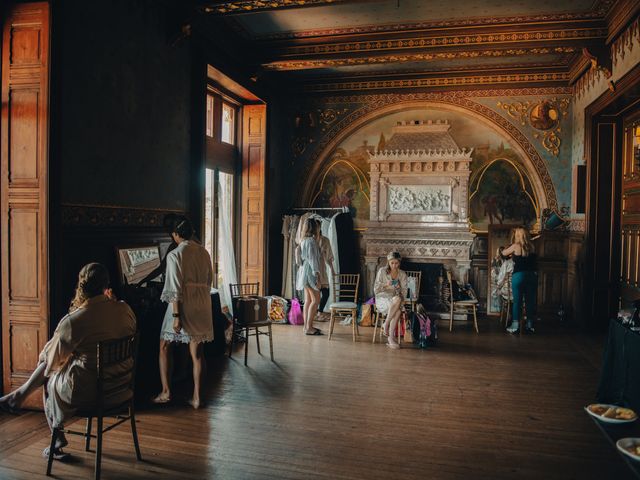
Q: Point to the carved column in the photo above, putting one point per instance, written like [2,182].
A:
[372,264]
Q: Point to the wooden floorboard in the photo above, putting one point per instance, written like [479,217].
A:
[488,406]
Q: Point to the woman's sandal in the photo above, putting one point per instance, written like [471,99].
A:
[316,332]
[160,399]
[58,454]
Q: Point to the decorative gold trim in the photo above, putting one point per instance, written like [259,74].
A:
[285,65]
[246,6]
[521,112]
[446,41]
[555,77]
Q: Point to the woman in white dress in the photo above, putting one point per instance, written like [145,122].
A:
[188,318]
[308,278]
[390,289]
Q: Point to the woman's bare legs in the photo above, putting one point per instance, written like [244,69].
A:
[305,308]
[164,363]
[312,300]
[392,318]
[14,399]
[195,348]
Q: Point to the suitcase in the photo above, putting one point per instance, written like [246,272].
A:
[251,309]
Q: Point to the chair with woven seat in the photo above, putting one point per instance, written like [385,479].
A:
[122,351]
[245,330]
[345,289]
[466,307]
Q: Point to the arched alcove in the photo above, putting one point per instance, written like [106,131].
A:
[351,139]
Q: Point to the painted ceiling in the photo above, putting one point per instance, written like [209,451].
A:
[392,12]
[313,43]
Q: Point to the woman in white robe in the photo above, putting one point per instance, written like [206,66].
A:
[67,363]
[308,278]
[188,318]
[390,289]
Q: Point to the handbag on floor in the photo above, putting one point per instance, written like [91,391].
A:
[295,313]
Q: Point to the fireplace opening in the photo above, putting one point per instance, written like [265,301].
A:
[430,283]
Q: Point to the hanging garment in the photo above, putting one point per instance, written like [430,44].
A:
[329,230]
[348,251]
[286,223]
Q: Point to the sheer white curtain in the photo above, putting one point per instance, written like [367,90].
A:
[226,254]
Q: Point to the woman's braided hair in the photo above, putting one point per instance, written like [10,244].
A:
[93,280]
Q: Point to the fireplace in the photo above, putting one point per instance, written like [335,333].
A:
[419,199]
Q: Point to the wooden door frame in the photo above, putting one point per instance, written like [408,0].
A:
[597,209]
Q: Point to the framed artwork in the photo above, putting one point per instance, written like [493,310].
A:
[498,236]
[135,263]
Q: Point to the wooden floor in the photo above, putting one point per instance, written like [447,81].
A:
[488,406]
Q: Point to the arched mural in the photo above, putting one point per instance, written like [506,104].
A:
[339,176]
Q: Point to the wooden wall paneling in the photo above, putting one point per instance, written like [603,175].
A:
[629,238]
[253,194]
[24,191]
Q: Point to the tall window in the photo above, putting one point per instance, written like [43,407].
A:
[221,165]
[219,221]
[228,123]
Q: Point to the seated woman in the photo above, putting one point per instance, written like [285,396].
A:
[67,363]
[390,289]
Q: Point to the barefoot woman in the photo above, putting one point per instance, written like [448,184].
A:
[187,290]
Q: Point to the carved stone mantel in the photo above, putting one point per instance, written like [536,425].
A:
[419,199]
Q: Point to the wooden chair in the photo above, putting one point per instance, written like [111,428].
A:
[108,353]
[345,288]
[461,306]
[243,331]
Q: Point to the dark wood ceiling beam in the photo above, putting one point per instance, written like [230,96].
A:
[418,56]
[239,7]
[444,42]
[620,16]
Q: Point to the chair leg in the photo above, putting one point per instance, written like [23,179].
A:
[134,432]
[270,343]
[375,327]
[98,447]
[354,324]
[331,320]
[258,340]
[451,319]
[381,331]
[475,319]
[54,436]
[246,345]
[87,440]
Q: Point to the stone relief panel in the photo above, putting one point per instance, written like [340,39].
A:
[420,199]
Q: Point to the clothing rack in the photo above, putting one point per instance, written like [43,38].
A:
[310,209]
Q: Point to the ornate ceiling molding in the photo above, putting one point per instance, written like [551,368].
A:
[500,92]
[600,10]
[446,81]
[377,105]
[449,42]
[250,6]
[285,65]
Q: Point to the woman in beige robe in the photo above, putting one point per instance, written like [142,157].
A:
[67,363]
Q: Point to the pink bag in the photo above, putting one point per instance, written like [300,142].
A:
[295,313]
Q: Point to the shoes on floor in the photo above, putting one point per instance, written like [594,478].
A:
[513,328]
[159,399]
[58,454]
[529,330]
[393,345]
